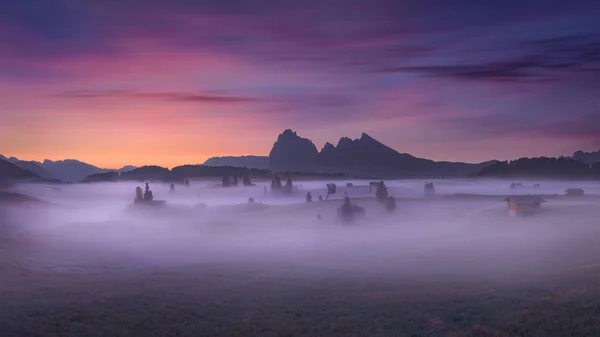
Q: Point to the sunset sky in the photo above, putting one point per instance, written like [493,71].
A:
[116,82]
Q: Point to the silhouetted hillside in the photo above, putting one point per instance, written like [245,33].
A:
[542,167]
[12,172]
[587,157]
[125,168]
[68,170]
[359,157]
[33,166]
[257,162]
[148,173]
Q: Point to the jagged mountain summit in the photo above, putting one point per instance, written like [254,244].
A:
[364,156]
[293,153]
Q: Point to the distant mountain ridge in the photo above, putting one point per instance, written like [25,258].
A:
[257,162]
[12,172]
[33,166]
[125,168]
[364,156]
[68,170]
[361,157]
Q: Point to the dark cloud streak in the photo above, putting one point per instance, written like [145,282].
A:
[545,62]
[164,96]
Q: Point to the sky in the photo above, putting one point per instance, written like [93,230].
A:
[134,82]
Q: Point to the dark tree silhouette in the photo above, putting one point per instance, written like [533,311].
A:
[148,194]
[308,198]
[246,181]
[391,204]
[331,189]
[276,184]
[429,189]
[225,181]
[381,193]
[172,188]
[235,181]
[347,211]
[138,194]
[288,184]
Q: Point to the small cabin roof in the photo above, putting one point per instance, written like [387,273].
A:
[525,199]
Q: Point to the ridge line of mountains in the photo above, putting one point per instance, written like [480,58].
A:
[362,157]
[67,170]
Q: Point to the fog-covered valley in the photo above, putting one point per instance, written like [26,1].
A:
[460,236]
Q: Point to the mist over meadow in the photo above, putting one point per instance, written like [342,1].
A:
[463,230]
[83,259]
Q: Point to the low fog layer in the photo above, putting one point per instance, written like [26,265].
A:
[463,231]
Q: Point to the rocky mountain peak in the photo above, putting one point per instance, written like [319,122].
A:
[292,153]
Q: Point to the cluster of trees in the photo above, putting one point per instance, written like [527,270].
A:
[233,181]
[382,195]
[429,189]
[102,177]
[348,211]
[147,196]
[309,198]
[587,157]
[311,174]
[276,185]
[198,171]
[543,167]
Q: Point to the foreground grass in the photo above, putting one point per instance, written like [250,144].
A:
[286,300]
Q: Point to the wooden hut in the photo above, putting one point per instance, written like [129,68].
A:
[575,192]
[523,204]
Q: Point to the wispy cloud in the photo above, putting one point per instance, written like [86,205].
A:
[164,96]
[540,60]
